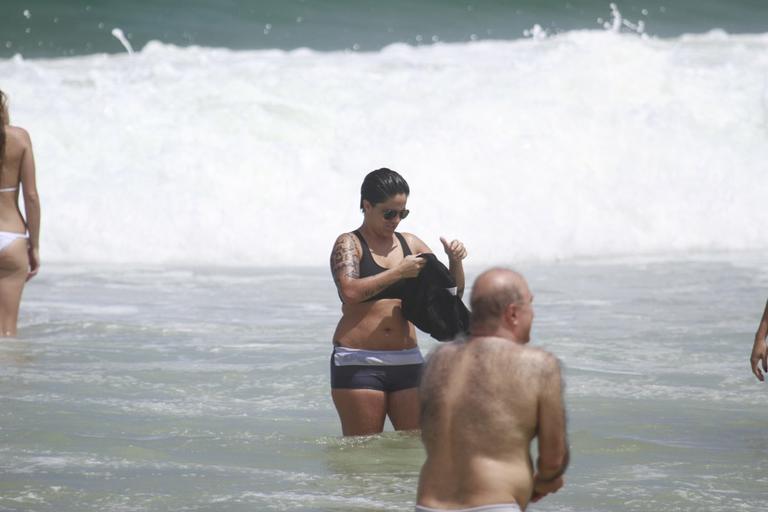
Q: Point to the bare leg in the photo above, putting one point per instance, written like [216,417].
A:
[403,409]
[14,264]
[361,411]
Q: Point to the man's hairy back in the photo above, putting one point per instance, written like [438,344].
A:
[479,413]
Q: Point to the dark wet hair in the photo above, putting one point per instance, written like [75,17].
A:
[380,185]
[3,122]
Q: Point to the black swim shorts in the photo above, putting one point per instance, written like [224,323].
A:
[381,377]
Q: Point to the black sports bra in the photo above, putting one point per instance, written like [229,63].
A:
[368,267]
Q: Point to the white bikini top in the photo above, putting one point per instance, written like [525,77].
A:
[11,189]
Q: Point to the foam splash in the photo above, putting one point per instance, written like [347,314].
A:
[120,36]
[583,143]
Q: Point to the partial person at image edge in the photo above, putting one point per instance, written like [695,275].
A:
[759,350]
[19,239]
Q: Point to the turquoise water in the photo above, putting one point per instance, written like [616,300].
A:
[148,388]
[54,28]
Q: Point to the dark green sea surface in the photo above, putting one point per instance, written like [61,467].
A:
[54,28]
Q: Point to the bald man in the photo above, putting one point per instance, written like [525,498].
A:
[484,400]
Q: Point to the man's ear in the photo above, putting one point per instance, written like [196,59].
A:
[510,314]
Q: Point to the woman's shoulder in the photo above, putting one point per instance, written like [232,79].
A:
[18,135]
[414,242]
[346,240]
[350,235]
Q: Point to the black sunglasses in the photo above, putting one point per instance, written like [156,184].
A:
[390,214]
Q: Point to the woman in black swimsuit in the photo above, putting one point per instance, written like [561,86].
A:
[376,365]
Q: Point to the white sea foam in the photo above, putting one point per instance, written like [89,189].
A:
[585,143]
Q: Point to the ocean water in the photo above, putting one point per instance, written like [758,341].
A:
[196,389]
[196,165]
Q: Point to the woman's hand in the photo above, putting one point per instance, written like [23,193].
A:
[759,355]
[411,266]
[541,489]
[455,250]
[34,262]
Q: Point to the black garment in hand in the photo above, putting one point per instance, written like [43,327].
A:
[431,303]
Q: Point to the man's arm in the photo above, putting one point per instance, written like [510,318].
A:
[759,352]
[552,437]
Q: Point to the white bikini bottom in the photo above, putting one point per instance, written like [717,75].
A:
[7,238]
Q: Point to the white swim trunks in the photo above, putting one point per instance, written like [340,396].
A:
[501,507]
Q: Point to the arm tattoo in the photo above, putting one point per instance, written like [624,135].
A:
[346,263]
[344,260]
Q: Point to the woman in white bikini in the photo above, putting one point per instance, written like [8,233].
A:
[376,364]
[19,240]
